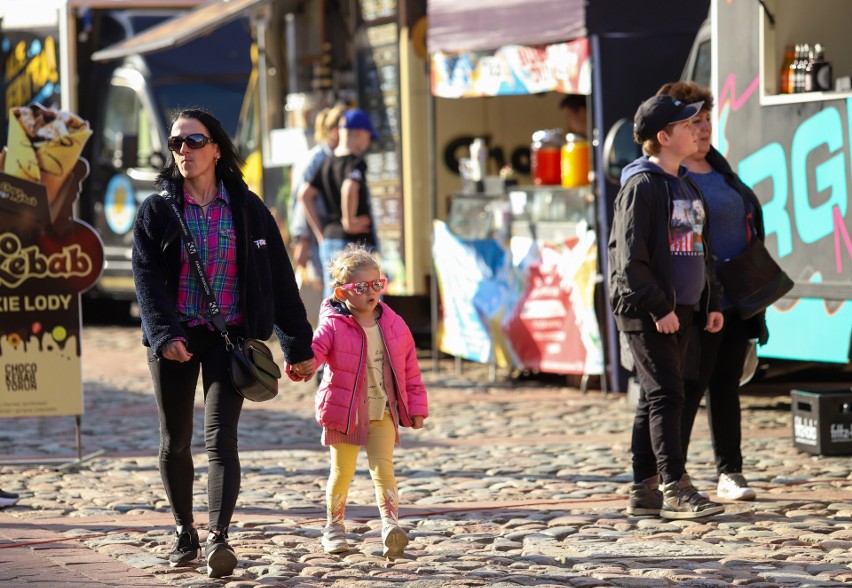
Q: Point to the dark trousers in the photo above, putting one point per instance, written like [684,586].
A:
[660,361]
[721,365]
[174,387]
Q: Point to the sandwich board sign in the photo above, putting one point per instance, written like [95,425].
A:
[47,259]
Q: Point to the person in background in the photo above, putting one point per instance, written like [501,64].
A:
[737,218]
[661,285]
[371,386]
[573,107]
[254,286]
[7,498]
[341,182]
[302,239]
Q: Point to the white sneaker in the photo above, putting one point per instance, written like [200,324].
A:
[734,487]
[394,540]
[334,539]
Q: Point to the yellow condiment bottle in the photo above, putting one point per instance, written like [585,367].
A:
[576,161]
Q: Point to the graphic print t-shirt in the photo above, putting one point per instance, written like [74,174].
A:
[686,242]
[376,394]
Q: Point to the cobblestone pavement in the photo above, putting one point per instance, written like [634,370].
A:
[512,483]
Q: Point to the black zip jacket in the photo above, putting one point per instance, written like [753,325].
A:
[755,326]
[269,297]
[640,270]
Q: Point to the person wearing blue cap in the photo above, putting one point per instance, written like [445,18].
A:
[342,183]
[662,286]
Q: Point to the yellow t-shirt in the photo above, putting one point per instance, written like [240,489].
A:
[376,393]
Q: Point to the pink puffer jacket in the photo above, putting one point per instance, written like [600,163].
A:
[340,343]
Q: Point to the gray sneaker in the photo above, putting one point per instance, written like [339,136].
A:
[645,497]
[394,541]
[334,539]
[682,501]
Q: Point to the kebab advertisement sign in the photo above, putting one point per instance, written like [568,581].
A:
[47,258]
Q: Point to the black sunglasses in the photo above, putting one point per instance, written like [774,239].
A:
[194,141]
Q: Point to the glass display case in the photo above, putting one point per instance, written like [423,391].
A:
[547,213]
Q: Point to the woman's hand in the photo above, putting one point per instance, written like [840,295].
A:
[302,371]
[417,422]
[715,322]
[175,350]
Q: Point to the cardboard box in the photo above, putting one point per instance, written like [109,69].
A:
[822,421]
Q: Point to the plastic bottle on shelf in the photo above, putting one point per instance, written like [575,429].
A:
[801,66]
[784,75]
[818,72]
[793,69]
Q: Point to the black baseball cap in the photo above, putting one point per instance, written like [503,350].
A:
[658,112]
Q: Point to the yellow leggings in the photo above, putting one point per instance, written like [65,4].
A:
[380,443]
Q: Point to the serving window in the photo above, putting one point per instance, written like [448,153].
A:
[784,22]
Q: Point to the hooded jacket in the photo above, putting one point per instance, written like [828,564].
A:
[755,326]
[268,297]
[640,265]
[340,342]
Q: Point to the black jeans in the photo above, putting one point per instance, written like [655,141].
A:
[174,387]
[721,365]
[660,361]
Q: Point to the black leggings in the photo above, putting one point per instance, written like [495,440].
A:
[174,387]
[722,358]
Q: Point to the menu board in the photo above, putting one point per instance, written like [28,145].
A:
[378,94]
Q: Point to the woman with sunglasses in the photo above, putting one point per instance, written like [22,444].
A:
[241,250]
[371,386]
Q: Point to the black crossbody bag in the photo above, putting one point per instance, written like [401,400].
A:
[753,280]
[254,372]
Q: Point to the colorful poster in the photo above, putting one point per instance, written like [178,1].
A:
[553,327]
[531,307]
[513,70]
[47,259]
[472,284]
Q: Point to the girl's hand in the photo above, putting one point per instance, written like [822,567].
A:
[417,422]
[302,371]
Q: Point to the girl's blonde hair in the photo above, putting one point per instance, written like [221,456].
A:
[350,259]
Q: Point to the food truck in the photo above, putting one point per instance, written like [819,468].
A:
[793,148]
[47,50]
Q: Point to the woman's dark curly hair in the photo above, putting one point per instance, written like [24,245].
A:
[688,92]
[229,167]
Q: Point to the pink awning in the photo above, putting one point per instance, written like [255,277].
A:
[476,25]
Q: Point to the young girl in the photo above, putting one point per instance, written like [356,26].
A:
[371,385]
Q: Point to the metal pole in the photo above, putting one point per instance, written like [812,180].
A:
[79,420]
[433,199]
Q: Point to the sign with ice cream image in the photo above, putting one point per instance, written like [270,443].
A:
[47,259]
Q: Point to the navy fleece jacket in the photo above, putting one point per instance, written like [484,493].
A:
[269,297]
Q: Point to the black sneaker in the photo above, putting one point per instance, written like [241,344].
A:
[645,497]
[185,549]
[682,501]
[221,559]
[8,498]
